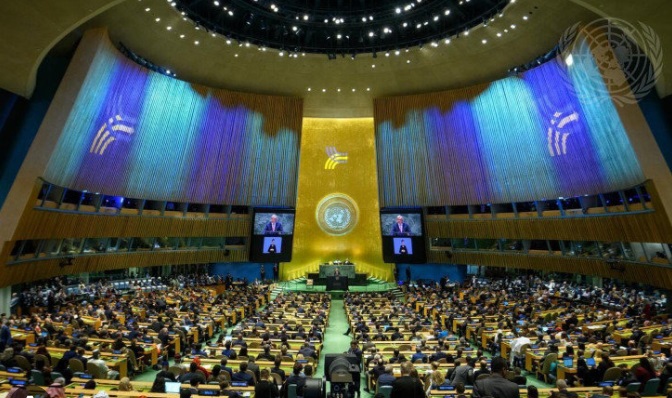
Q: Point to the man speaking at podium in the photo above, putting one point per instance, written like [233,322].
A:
[274,227]
[400,228]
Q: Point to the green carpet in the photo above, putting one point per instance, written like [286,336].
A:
[334,340]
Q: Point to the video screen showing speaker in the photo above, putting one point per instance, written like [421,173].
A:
[272,235]
[403,235]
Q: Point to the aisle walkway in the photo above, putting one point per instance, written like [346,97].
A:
[334,340]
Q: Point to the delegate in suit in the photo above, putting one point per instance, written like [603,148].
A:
[400,228]
[274,227]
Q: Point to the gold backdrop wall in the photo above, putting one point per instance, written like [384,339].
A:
[337,210]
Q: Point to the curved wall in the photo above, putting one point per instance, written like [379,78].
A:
[552,131]
[136,133]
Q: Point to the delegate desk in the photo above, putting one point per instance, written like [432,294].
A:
[564,371]
[117,362]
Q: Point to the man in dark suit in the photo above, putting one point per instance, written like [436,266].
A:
[242,375]
[271,247]
[419,355]
[402,248]
[496,385]
[400,228]
[295,378]
[407,386]
[276,368]
[225,368]
[337,272]
[274,227]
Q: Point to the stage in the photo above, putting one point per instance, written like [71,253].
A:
[302,285]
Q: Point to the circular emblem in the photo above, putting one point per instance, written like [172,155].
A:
[629,57]
[336,214]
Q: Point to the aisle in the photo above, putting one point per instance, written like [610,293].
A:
[334,340]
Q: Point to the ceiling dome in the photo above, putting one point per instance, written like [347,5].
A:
[339,27]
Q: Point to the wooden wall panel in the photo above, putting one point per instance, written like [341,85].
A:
[639,227]
[49,268]
[44,224]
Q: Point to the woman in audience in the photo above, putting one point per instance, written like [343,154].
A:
[644,372]
[214,375]
[159,385]
[437,379]
[532,392]
[242,352]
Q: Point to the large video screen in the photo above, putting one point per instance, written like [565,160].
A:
[272,235]
[403,236]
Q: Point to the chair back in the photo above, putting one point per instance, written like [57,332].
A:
[76,365]
[37,377]
[96,371]
[276,378]
[612,374]
[251,373]
[550,358]
[291,391]
[633,387]
[651,387]
[43,358]
[385,390]
[23,362]
[177,371]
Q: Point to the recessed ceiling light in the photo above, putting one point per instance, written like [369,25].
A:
[338,89]
[525,17]
[147,9]
[324,90]
[235,55]
[499,34]
[408,61]
[157,19]
[169,27]
[196,42]
[309,89]
[353,90]
[182,36]
[447,41]
[484,41]
[368,89]
[513,26]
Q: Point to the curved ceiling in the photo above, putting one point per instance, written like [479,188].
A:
[337,27]
[343,87]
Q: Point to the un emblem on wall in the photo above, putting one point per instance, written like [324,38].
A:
[337,214]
